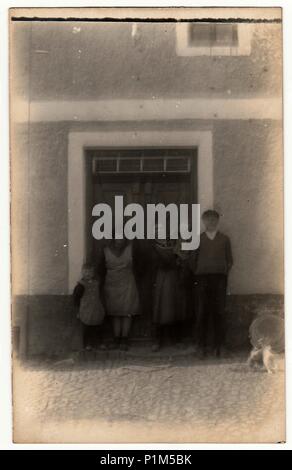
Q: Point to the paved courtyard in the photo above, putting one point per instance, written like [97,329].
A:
[128,398]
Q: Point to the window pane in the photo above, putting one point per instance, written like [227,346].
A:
[130,164]
[201,35]
[226,35]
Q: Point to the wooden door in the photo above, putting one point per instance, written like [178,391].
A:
[143,189]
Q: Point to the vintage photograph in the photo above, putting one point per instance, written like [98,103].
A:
[147,216]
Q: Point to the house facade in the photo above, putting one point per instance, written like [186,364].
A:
[188,112]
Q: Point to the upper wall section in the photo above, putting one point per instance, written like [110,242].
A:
[94,61]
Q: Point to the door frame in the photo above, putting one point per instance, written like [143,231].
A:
[79,141]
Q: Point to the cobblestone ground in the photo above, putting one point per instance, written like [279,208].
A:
[136,399]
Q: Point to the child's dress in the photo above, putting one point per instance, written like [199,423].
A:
[91,311]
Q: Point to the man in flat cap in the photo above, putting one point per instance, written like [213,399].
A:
[211,263]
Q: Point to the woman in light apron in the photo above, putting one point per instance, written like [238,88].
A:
[120,289]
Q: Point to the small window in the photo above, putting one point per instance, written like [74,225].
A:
[213,39]
[213,35]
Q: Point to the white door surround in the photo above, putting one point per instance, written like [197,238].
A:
[78,141]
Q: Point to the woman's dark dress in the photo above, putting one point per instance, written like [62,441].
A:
[169,299]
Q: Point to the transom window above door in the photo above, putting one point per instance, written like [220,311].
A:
[159,161]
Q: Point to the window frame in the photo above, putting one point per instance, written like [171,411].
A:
[184,49]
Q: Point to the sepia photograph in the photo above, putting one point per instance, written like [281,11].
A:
[147,225]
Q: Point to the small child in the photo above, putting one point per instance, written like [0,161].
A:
[211,263]
[91,312]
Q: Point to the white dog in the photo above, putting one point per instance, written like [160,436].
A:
[267,337]
[267,359]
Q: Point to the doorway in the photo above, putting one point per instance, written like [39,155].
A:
[144,176]
[199,141]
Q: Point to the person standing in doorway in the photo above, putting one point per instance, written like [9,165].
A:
[168,310]
[118,269]
[211,264]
